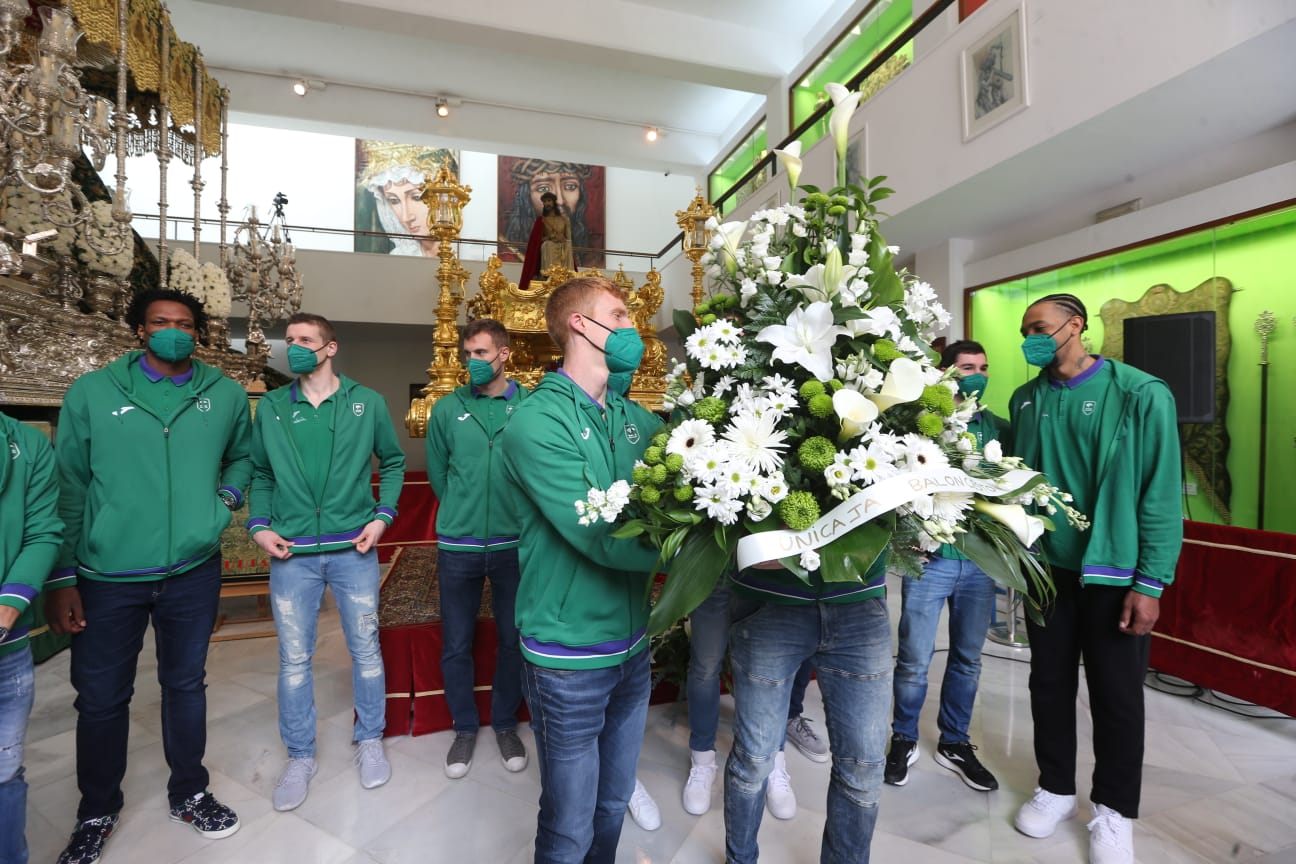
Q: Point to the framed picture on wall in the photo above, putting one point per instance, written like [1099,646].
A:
[994,77]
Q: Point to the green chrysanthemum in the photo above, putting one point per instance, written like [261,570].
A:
[811,389]
[816,454]
[821,406]
[937,397]
[930,424]
[702,308]
[711,409]
[642,474]
[661,439]
[650,494]
[673,462]
[885,351]
[659,473]
[653,455]
[798,510]
[683,493]
[708,319]
[834,385]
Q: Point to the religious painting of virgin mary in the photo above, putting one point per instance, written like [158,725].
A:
[580,191]
[389,180]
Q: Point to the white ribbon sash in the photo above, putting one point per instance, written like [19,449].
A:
[870,503]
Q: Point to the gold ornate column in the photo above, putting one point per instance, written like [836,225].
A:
[445,198]
[697,237]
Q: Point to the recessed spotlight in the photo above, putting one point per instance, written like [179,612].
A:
[652,134]
[442,108]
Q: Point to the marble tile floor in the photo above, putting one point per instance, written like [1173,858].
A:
[1217,787]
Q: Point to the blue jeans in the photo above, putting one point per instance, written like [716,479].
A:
[850,644]
[461,576]
[799,684]
[589,726]
[17,691]
[970,594]
[708,641]
[104,655]
[296,589]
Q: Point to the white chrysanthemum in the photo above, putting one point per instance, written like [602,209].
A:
[718,503]
[706,465]
[839,473]
[756,441]
[722,385]
[871,463]
[689,436]
[918,452]
[949,507]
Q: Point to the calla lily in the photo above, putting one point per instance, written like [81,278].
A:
[832,271]
[1027,528]
[806,339]
[729,235]
[844,104]
[904,383]
[855,411]
[790,160]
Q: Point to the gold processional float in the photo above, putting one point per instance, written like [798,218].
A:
[521,310]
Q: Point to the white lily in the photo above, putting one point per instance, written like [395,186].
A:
[1026,527]
[790,159]
[856,412]
[844,104]
[820,282]
[806,339]
[730,235]
[904,383]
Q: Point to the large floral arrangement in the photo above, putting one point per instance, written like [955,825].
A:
[186,274]
[216,290]
[106,233]
[810,422]
[24,214]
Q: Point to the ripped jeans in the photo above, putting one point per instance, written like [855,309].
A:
[296,588]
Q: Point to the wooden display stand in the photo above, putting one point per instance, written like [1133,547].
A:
[253,587]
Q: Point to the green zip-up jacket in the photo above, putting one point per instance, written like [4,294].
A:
[281,495]
[138,493]
[474,511]
[30,529]
[1131,496]
[582,601]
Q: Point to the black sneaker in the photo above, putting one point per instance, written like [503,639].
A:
[206,815]
[961,759]
[88,839]
[903,753]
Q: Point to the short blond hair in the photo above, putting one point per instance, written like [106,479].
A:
[575,295]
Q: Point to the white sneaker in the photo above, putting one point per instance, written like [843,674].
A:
[290,791]
[779,797]
[702,774]
[1111,837]
[1040,816]
[643,809]
[375,770]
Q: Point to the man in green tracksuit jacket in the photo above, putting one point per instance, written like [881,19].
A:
[152,458]
[312,510]
[477,539]
[1105,432]
[581,607]
[30,534]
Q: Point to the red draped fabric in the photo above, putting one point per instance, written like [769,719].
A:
[415,522]
[1228,622]
[531,263]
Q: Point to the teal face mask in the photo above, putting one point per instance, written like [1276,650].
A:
[171,344]
[619,382]
[624,348]
[481,372]
[973,385]
[302,360]
[1040,349]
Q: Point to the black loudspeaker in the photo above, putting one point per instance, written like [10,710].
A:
[1180,350]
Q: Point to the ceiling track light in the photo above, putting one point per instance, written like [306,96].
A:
[442,107]
[302,86]
[652,134]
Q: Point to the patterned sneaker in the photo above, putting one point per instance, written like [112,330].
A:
[206,815]
[806,739]
[512,751]
[902,754]
[88,839]
[459,759]
[375,770]
[643,809]
[290,792]
[961,759]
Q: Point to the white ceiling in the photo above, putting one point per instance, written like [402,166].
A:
[580,79]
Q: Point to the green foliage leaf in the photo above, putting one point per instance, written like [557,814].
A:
[633,528]
[690,579]
[684,322]
[848,558]
[990,557]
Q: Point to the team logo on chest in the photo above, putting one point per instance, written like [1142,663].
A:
[632,433]
[14,452]
[1088,407]
[357,408]
[204,404]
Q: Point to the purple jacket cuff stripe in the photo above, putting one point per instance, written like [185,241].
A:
[238,496]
